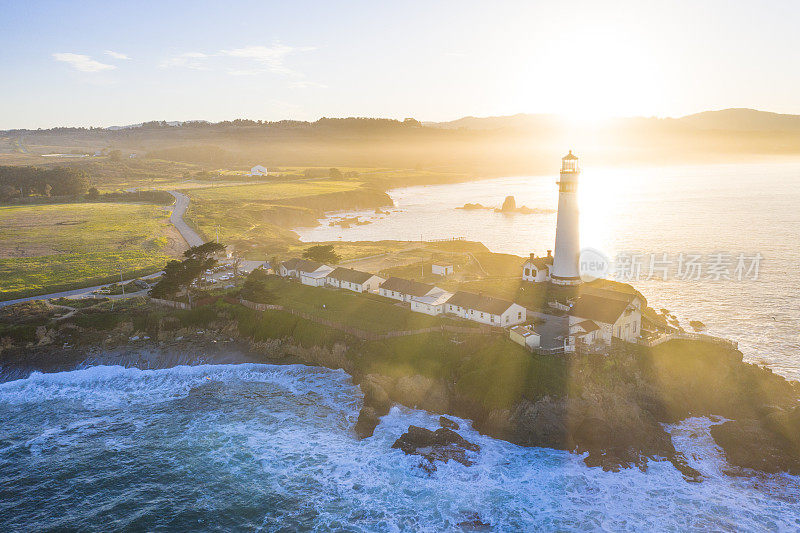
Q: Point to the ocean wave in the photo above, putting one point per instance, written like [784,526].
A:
[269,447]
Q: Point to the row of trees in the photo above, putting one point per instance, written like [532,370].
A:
[23,181]
[329,173]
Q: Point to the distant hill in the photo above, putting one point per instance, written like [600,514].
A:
[739,119]
[516,144]
[743,119]
[518,121]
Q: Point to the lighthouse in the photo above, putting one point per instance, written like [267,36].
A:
[565,269]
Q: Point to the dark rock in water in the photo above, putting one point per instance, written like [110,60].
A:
[441,445]
[510,204]
[368,420]
[447,423]
[375,396]
[474,523]
[755,443]
[678,460]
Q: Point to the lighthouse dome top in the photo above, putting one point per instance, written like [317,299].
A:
[569,163]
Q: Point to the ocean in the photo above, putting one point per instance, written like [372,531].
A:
[271,448]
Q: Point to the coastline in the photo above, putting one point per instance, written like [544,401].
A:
[614,429]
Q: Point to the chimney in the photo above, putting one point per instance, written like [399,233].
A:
[549,253]
[533,256]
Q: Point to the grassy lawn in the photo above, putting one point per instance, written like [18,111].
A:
[48,248]
[261,214]
[364,311]
[271,191]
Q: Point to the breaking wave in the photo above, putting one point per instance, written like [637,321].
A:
[271,447]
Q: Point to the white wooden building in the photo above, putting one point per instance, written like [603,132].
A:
[308,272]
[293,267]
[353,280]
[537,269]
[442,269]
[525,336]
[596,318]
[404,289]
[318,278]
[259,170]
[432,303]
[485,309]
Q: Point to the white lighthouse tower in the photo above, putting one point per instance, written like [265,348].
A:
[565,269]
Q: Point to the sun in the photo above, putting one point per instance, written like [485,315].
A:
[588,75]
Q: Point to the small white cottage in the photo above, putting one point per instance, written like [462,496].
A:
[432,303]
[537,269]
[404,290]
[485,309]
[525,336]
[353,280]
[595,318]
[308,272]
[442,269]
[259,170]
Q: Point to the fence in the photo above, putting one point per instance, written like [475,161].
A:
[369,335]
[689,336]
[171,303]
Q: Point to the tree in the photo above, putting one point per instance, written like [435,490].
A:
[93,194]
[115,155]
[237,263]
[254,288]
[179,275]
[323,253]
[204,250]
[7,192]
[334,173]
[57,181]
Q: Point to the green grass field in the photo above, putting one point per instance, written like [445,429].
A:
[48,248]
[262,214]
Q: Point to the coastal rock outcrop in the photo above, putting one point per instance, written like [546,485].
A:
[441,445]
[368,420]
[771,444]
[447,423]
[376,404]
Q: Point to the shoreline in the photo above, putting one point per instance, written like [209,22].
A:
[568,423]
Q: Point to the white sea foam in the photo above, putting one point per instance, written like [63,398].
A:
[266,446]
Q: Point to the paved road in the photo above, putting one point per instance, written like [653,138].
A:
[181,204]
[78,293]
[176,218]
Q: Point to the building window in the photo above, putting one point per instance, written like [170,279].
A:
[519,315]
[527,271]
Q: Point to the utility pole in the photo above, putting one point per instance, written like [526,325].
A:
[216,229]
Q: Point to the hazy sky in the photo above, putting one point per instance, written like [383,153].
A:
[113,63]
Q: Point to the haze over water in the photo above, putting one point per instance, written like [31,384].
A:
[749,209]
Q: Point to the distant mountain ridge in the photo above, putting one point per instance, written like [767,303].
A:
[522,144]
[734,119]
[743,119]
